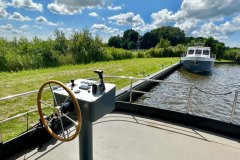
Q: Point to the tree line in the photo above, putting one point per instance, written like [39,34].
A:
[81,48]
[167,37]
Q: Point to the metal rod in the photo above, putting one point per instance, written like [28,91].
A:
[189,100]
[131,90]
[234,106]
[19,115]
[62,127]
[23,94]
[70,119]
[27,122]
[54,98]
[136,91]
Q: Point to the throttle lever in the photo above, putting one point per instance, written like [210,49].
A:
[100,75]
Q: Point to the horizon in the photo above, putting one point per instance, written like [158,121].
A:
[106,18]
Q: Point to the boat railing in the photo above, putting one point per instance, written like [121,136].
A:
[213,56]
[131,90]
[183,55]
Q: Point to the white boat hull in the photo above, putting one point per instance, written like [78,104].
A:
[198,64]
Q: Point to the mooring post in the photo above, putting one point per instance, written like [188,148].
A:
[234,105]
[131,81]
[189,100]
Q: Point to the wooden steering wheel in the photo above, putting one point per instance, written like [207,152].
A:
[57,111]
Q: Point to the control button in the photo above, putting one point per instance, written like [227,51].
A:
[84,87]
[77,91]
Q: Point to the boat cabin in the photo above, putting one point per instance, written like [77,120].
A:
[199,52]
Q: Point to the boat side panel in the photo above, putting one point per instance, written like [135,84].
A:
[198,66]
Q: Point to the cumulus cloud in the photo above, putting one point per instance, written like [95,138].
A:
[127,19]
[8,27]
[162,17]
[43,20]
[93,14]
[221,31]
[71,7]
[27,4]
[105,29]
[188,25]
[114,8]
[3,12]
[193,13]
[202,9]
[17,16]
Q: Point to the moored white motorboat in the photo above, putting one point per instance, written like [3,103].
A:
[198,59]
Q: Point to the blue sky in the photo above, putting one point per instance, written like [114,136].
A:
[219,18]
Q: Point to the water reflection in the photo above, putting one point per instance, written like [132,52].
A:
[213,97]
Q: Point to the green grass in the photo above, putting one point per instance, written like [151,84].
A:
[23,81]
[223,60]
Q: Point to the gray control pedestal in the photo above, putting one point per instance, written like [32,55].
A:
[94,104]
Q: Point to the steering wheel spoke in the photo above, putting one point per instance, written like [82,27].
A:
[70,119]
[63,133]
[47,105]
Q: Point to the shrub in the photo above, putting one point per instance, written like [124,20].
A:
[140,54]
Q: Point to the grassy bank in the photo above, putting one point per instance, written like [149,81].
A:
[23,81]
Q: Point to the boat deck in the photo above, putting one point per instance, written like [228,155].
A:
[131,137]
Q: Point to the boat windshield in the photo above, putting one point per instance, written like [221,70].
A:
[191,51]
[205,52]
[198,51]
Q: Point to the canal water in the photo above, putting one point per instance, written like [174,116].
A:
[212,94]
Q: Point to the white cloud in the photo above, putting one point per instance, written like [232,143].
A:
[162,17]
[24,27]
[36,26]
[105,29]
[188,25]
[127,19]
[16,31]
[8,27]
[3,13]
[93,14]
[202,9]
[114,8]
[17,16]
[71,7]
[27,4]
[43,20]
[194,13]
[67,31]
[221,31]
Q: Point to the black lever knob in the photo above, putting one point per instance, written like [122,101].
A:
[100,74]
[72,84]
